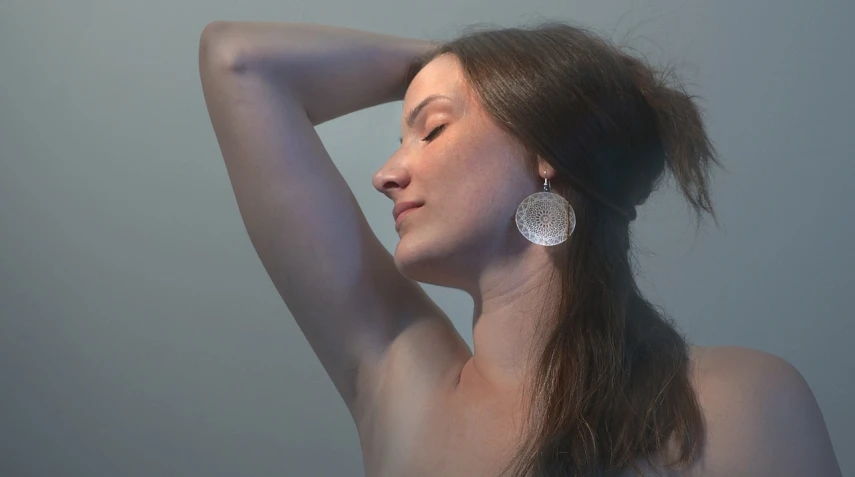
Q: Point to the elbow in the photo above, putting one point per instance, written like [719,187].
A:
[219,47]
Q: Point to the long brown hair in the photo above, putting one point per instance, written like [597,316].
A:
[611,387]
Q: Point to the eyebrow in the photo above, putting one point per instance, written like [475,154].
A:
[414,113]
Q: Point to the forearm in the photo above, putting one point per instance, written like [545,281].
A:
[331,71]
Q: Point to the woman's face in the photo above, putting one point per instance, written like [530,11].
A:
[469,174]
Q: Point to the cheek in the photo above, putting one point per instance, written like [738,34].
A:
[474,178]
[482,202]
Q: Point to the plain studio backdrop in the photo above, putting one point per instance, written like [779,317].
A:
[141,336]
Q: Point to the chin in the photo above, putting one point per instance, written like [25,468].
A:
[413,260]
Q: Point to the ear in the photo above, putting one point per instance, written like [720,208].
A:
[544,169]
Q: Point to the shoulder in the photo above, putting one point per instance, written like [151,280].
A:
[761,417]
[738,369]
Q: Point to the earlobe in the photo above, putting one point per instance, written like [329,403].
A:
[544,169]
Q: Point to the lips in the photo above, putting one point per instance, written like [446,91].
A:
[399,208]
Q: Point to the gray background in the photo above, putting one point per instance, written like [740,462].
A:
[140,335]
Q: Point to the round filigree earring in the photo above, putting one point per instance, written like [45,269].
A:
[545,218]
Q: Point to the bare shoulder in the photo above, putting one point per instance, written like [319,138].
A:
[761,416]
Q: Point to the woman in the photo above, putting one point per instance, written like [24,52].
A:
[524,154]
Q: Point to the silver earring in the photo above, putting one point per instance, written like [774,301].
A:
[546,218]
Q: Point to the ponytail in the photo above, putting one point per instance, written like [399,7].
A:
[689,153]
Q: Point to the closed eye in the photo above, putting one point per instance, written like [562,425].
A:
[430,137]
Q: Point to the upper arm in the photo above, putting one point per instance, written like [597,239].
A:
[762,418]
[336,278]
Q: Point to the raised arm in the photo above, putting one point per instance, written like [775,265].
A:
[266,86]
[330,71]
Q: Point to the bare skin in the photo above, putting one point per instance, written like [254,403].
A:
[761,420]
[425,404]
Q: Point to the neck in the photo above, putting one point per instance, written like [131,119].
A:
[511,319]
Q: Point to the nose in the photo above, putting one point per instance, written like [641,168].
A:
[387,179]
